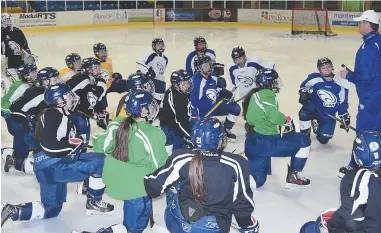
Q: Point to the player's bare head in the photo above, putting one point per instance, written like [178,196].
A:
[100,51]
[61,96]
[158,45]
[140,81]
[48,76]
[28,73]
[181,81]
[239,56]
[203,64]
[6,21]
[325,67]
[91,66]
[200,44]
[73,61]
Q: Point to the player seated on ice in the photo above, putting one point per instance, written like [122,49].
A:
[60,162]
[200,48]
[174,114]
[203,200]
[243,70]
[137,148]
[17,155]
[155,64]
[208,90]
[24,111]
[73,62]
[91,88]
[270,133]
[360,191]
[322,98]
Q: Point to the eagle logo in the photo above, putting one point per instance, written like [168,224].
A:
[328,98]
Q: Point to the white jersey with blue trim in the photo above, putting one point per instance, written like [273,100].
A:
[244,77]
[157,62]
[189,63]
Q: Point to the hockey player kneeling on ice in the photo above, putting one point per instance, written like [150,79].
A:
[360,191]
[174,114]
[209,90]
[73,62]
[136,148]
[60,162]
[212,185]
[200,48]
[24,111]
[269,133]
[322,98]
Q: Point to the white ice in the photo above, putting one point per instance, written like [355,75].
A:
[278,210]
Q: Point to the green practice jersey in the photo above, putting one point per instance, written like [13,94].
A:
[16,90]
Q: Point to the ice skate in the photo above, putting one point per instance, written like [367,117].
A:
[344,170]
[315,126]
[230,135]
[293,180]
[82,188]
[9,162]
[8,211]
[99,207]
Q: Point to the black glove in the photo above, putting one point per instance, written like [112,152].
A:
[103,119]
[221,82]
[345,121]
[225,94]
[116,77]
[151,73]
[305,95]
[218,69]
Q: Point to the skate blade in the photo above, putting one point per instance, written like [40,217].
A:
[296,186]
[94,212]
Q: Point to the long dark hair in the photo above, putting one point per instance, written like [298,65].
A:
[196,177]
[121,145]
[246,102]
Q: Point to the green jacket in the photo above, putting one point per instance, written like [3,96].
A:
[16,90]
[263,113]
[146,153]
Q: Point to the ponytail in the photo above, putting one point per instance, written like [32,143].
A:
[246,102]
[196,177]
[121,145]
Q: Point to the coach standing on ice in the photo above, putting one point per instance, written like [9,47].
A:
[367,76]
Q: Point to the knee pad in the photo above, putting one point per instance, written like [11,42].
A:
[322,139]
[305,115]
[235,109]
[52,210]
[28,166]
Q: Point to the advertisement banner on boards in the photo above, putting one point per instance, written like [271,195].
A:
[159,15]
[276,17]
[140,15]
[33,20]
[183,15]
[344,19]
[110,16]
[220,15]
[201,15]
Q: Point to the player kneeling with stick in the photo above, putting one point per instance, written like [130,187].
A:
[60,162]
[212,185]
[269,133]
[136,148]
[360,191]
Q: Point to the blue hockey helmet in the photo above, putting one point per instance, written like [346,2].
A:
[310,227]
[49,74]
[141,104]
[71,58]
[27,73]
[89,65]
[141,81]
[100,51]
[208,135]
[366,149]
[199,62]
[268,79]
[61,92]
[155,43]
[177,79]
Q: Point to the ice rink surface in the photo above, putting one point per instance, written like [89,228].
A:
[277,209]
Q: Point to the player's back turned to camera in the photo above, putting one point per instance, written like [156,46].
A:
[210,185]
[360,191]
[270,133]
[322,98]
[136,148]
[200,48]
[73,62]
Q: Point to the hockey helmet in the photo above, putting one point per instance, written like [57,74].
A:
[200,44]
[158,45]
[208,135]
[141,104]
[48,74]
[7,21]
[91,66]
[27,73]
[62,92]
[71,58]
[237,54]
[203,64]
[180,78]
[268,79]
[366,149]
[322,62]
[100,51]
[140,81]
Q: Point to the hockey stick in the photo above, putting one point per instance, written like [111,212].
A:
[154,226]
[339,120]
[346,68]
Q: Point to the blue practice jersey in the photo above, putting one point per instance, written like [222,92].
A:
[204,95]
[189,63]
[327,96]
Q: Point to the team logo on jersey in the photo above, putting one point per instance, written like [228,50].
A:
[211,225]
[373,146]
[72,133]
[105,75]
[161,68]
[247,81]
[328,98]
[14,47]
[186,227]
[92,99]
[211,94]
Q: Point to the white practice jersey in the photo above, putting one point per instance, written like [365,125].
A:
[157,62]
[244,77]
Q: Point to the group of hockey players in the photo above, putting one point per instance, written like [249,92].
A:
[168,142]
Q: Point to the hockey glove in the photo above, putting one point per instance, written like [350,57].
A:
[103,119]
[78,146]
[115,83]
[250,229]
[218,69]
[151,73]
[323,220]
[221,83]
[288,126]
[345,121]
[305,95]
[225,95]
